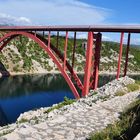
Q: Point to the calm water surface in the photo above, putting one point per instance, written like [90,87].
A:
[23,93]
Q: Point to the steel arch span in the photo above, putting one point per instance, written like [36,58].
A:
[92,49]
[51,51]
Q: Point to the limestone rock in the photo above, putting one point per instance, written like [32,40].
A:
[137,137]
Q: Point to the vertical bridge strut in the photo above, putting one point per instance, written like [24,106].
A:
[127,51]
[61,58]
[92,61]
[88,64]
[96,61]
[120,55]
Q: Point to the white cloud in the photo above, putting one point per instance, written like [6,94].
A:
[135,41]
[6,19]
[82,35]
[56,12]
[131,23]
[74,13]
[23,19]
[106,38]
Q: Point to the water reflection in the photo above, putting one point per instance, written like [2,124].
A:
[22,93]
[29,84]
[3,70]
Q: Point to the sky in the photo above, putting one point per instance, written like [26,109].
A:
[69,12]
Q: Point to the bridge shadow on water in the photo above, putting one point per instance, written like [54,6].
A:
[3,70]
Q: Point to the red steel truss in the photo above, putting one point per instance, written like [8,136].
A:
[92,51]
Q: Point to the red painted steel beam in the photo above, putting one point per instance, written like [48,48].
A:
[35,32]
[57,52]
[6,42]
[50,53]
[74,47]
[127,52]
[120,55]
[57,39]
[65,51]
[49,39]
[93,28]
[97,60]
[43,34]
[88,65]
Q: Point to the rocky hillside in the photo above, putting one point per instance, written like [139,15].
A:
[109,57]
[25,56]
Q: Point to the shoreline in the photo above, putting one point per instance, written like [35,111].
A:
[106,101]
[58,72]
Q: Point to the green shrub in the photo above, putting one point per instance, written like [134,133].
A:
[137,82]
[66,101]
[126,128]
[94,93]
[23,120]
[132,87]
[49,68]
[5,132]
[16,68]
[79,69]
[104,98]
[120,93]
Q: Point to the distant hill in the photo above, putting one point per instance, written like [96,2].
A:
[24,55]
[6,24]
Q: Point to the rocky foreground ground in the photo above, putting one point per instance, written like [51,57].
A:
[75,121]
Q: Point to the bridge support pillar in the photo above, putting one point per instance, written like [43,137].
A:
[57,40]
[97,60]
[88,64]
[43,34]
[127,51]
[65,50]
[74,47]
[49,39]
[120,56]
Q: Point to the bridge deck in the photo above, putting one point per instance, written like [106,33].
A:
[95,28]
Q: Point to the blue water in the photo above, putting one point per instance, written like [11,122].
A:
[13,107]
[22,93]
[19,94]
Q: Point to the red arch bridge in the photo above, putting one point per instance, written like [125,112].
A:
[92,54]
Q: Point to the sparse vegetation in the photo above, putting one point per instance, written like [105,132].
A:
[94,93]
[126,128]
[23,120]
[5,132]
[104,98]
[66,101]
[35,119]
[120,93]
[137,82]
[132,87]
[28,50]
